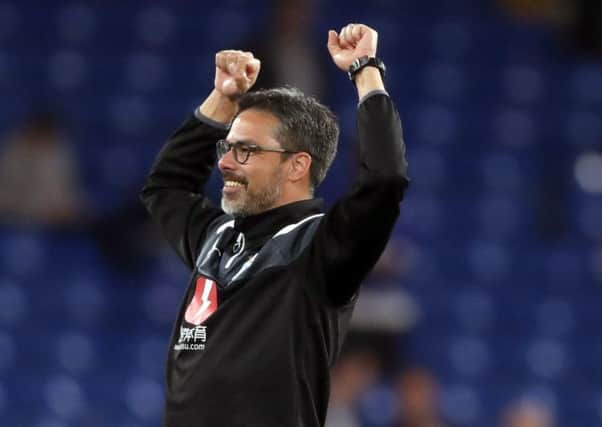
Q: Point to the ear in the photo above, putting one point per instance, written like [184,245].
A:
[299,167]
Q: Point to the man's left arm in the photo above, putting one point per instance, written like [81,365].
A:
[355,231]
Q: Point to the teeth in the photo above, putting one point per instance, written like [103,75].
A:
[232,184]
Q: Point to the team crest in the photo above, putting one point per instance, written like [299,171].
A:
[203,303]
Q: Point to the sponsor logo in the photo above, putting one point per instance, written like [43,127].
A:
[192,338]
[202,305]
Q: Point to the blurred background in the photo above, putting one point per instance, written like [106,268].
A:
[485,309]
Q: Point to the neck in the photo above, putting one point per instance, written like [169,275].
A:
[291,194]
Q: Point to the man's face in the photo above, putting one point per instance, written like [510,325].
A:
[255,186]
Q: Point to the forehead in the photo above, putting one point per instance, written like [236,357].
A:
[253,125]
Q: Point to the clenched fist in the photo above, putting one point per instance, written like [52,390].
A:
[235,72]
[354,41]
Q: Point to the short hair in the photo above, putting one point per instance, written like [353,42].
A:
[305,125]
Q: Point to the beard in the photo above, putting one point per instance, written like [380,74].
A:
[249,201]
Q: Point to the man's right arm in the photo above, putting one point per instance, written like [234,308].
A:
[172,192]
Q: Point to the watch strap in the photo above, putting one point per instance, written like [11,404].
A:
[366,61]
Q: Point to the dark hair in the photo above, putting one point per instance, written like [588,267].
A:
[305,125]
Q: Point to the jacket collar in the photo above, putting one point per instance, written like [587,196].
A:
[257,227]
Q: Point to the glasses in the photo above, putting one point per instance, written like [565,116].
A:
[242,150]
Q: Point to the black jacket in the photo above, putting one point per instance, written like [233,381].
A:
[270,296]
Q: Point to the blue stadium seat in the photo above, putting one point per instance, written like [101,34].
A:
[555,317]
[462,404]
[428,170]
[451,39]
[145,71]
[490,261]
[547,359]
[77,23]
[67,70]
[523,84]
[75,353]
[501,172]
[155,25]
[436,124]
[50,421]
[444,81]
[13,303]
[514,128]
[64,397]
[475,311]
[583,128]
[8,353]
[144,398]
[24,254]
[10,19]
[586,84]
[469,356]
[499,216]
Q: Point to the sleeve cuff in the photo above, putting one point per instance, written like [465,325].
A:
[371,94]
[202,118]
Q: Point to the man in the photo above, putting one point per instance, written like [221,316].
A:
[274,280]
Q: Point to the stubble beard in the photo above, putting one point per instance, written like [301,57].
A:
[252,202]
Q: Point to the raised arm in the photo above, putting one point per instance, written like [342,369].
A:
[235,73]
[354,232]
[356,41]
[174,189]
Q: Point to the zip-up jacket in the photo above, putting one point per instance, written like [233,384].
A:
[270,296]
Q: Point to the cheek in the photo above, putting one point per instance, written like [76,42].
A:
[270,175]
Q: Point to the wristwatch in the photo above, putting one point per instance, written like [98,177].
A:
[366,61]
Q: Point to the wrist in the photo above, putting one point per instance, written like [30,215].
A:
[219,107]
[367,80]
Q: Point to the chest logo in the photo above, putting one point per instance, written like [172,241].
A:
[203,303]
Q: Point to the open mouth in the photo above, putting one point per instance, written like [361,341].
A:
[233,182]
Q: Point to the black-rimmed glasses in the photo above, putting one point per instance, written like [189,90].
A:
[242,150]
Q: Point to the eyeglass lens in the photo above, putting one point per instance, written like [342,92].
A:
[240,152]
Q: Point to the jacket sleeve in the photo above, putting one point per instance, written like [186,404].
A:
[354,232]
[172,192]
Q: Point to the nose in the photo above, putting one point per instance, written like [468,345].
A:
[227,162]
